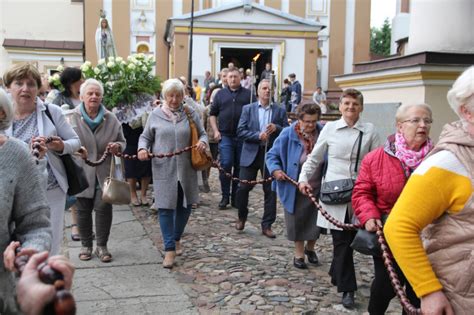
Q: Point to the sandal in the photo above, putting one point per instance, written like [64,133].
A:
[103,253]
[75,236]
[85,253]
[136,203]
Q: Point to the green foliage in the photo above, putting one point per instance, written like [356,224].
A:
[124,80]
[380,39]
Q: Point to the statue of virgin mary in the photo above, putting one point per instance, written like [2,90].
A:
[104,39]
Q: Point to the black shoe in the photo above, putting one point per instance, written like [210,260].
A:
[312,257]
[224,202]
[299,263]
[348,300]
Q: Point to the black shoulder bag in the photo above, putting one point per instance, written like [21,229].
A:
[76,178]
[337,192]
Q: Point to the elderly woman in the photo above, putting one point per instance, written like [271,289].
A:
[288,153]
[438,200]
[35,120]
[174,179]
[383,174]
[99,130]
[340,141]
[24,214]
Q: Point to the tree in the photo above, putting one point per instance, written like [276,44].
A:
[380,39]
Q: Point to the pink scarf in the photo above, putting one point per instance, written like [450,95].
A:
[173,115]
[410,159]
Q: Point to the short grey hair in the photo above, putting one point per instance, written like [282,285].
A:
[88,82]
[7,107]
[462,92]
[263,81]
[400,115]
[172,85]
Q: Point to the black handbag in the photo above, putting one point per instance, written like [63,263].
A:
[337,192]
[76,178]
[366,242]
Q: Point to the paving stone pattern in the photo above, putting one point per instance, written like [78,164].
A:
[226,271]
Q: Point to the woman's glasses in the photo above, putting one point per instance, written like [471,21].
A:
[417,121]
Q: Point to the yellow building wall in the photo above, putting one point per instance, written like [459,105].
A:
[442,112]
[435,96]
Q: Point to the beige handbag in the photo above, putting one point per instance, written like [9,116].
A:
[116,191]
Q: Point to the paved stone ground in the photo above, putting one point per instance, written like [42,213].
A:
[230,272]
[134,282]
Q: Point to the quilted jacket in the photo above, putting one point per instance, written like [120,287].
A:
[379,184]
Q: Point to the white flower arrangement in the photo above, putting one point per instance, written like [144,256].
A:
[128,85]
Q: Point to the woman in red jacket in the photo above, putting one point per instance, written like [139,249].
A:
[383,174]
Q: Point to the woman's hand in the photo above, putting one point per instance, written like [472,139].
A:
[83,153]
[56,144]
[114,148]
[201,146]
[371,225]
[279,175]
[436,303]
[65,267]
[9,255]
[143,155]
[42,148]
[32,294]
[305,188]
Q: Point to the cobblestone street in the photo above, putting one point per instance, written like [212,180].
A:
[230,272]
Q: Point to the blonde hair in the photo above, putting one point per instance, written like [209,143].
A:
[400,115]
[172,85]
[462,92]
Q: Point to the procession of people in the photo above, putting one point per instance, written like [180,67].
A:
[248,131]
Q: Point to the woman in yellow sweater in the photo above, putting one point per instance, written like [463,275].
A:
[438,203]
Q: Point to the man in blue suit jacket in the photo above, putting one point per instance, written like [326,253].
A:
[260,123]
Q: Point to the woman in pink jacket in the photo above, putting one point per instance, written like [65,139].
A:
[383,174]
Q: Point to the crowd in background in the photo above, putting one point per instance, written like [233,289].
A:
[239,120]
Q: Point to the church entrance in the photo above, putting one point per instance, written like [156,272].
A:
[242,58]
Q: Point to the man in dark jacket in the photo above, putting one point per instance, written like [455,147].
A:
[260,123]
[226,108]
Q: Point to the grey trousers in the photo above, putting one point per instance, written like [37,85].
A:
[103,219]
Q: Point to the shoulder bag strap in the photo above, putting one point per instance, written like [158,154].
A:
[48,113]
[358,151]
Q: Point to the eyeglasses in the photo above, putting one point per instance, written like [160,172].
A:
[417,121]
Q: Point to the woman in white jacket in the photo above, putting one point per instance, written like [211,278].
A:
[32,122]
[339,141]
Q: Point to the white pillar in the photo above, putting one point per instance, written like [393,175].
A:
[441,25]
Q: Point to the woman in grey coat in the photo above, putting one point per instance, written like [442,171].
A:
[99,130]
[24,210]
[174,179]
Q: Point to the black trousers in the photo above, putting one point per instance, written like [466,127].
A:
[342,270]
[242,196]
[381,291]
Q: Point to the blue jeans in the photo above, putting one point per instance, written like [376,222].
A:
[229,150]
[173,222]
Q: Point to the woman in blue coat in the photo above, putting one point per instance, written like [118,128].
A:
[287,155]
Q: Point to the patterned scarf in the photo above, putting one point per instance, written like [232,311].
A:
[410,159]
[308,139]
[172,114]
